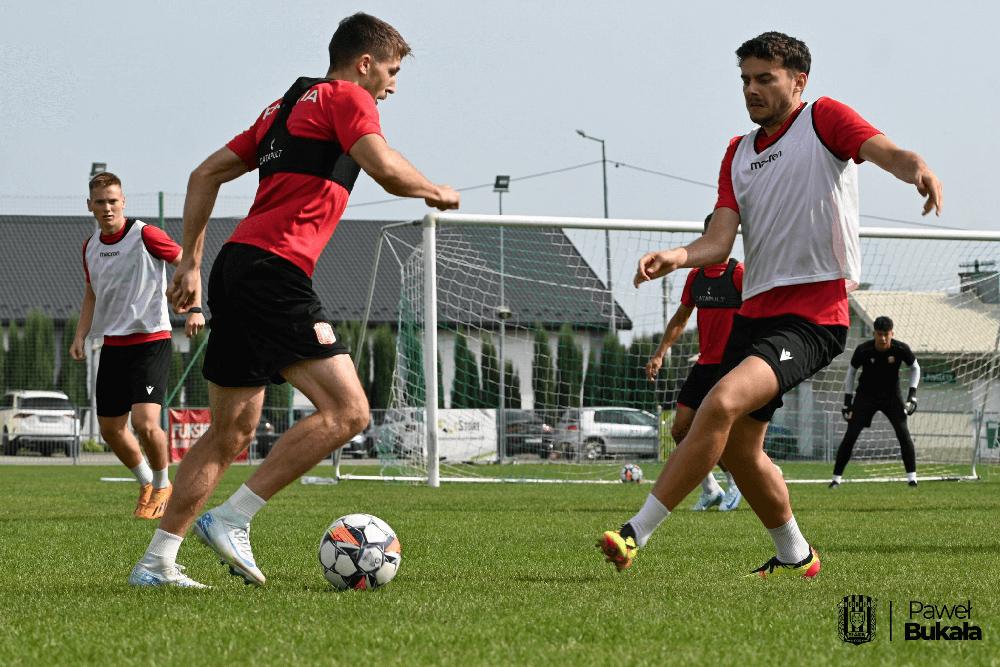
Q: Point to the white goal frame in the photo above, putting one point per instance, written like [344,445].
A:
[430,225]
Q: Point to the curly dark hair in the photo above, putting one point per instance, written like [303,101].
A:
[772,45]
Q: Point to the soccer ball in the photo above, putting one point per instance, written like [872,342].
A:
[630,473]
[359,551]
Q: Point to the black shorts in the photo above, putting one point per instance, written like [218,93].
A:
[697,385]
[864,408]
[130,374]
[793,347]
[265,317]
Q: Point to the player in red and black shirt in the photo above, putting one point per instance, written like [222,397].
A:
[791,186]
[879,360]
[715,291]
[267,323]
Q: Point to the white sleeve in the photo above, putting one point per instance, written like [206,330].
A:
[914,374]
[849,382]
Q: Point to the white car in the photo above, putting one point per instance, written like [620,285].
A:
[44,420]
[593,433]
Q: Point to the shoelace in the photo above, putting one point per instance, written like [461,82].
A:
[241,538]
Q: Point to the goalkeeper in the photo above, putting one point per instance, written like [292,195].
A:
[878,389]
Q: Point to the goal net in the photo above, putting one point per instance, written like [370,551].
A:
[522,345]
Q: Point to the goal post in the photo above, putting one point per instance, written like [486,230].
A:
[555,393]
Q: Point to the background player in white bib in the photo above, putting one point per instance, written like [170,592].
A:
[878,390]
[792,186]
[715,321]
[124,300]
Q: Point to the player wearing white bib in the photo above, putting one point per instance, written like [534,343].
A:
[792,185]
[124,300]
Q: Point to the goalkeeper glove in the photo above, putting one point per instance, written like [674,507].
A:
[911,402]
[847,411]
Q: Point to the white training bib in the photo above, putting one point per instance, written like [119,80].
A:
[130,286]
[798,211]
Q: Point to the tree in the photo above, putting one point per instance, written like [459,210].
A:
[3,363]
[278,405]
[39,351]
[643,392]
[72,373]
[592,380]
[466,391]
[490,368]
[569,370]
[612,368]
[15,364]
[174,379]
[541,372]
[411,358]
[512,386]
[351,334]
[383,366]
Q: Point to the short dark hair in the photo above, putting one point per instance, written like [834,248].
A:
[793,52]
[103,180]
[882,323]
[362,33]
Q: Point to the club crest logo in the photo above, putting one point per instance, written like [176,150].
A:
[856,619]
[324,333]
[892,359]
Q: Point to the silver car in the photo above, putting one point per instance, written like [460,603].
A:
[593,433]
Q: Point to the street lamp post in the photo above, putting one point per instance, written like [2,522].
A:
[607,234]
[500,186]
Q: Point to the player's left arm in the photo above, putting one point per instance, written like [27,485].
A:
[907,166]
[911,396]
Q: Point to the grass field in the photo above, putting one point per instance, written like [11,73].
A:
[495,575]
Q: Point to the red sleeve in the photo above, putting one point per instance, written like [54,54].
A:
[86,271]
[244,144]
[353,114]
[727,197]
[159,244]
[738,277]
[686,294]
[841,129]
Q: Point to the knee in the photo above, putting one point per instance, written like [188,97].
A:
[722,405]
[111,432]
[147,431]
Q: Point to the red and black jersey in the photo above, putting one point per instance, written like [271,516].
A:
[714,323]
[295,214]
[880,369]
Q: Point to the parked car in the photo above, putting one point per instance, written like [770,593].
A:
[527,433]
[263,439]
[593,433]
[43,420]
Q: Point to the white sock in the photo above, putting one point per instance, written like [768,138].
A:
[161,479]
[838,479]
[788,540]
[729,479]
[244,502]
[911,476]
[709,485]
[651,515]
[143,473]
[162,548]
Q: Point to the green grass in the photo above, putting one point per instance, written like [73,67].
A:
[493,575]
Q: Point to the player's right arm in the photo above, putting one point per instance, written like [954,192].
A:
[76,348]
[203,186]
[397,176]
[675,327]
[712,247]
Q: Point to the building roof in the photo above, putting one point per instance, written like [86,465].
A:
[43,269]
[934,322]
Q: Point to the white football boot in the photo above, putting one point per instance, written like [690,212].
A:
[154,575]
[730,499]
[707,500]
[228,535]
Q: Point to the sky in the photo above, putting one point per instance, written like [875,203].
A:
[493,88]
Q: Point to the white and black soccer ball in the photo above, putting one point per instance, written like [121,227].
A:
[359,551]
[630,473]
